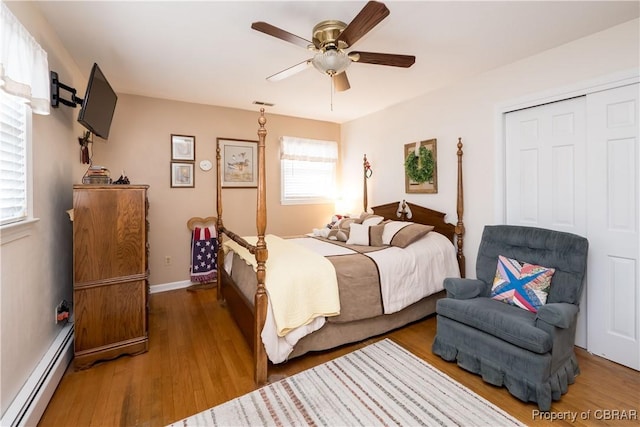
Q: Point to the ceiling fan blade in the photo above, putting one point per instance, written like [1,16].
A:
[341,82]
[404,61]
[370,16]
[289,71]
[281,34]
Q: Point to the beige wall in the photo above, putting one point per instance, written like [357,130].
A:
[470,110]
[36,270]
[139,144]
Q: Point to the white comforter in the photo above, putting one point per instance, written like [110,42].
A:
[406,276]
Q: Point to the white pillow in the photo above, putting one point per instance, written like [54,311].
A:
[358,235]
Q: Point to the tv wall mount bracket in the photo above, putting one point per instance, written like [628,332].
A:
[56,85]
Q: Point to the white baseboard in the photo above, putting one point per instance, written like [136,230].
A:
[169,286]
[30,403]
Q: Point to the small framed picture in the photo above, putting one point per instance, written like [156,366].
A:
[183,148]
[182,175]
[239,163]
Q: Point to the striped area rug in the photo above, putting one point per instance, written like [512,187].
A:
[381,384]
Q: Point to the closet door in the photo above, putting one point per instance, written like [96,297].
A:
[546,173]
[613,211]
[574,166]
[545,185]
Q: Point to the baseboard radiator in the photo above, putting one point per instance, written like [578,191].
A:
[30,403]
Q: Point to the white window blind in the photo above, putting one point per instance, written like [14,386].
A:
[308,170]
[13,159]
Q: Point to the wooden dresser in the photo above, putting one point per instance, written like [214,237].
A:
[110,271]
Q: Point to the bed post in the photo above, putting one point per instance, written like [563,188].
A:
[365,202]
[219,225]
[260,355]
[460,210]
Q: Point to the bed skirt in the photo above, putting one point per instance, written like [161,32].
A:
[335,334]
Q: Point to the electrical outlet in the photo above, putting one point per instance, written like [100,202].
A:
[167,260]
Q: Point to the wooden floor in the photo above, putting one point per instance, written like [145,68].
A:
[198,359]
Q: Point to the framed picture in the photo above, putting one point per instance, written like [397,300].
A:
[239,163]
[183,148]
[421,167]
[182,175]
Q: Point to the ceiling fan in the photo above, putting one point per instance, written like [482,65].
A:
[331,39]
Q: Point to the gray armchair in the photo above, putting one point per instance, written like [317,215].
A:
[531,354]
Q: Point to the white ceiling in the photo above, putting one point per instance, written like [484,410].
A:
[205,51]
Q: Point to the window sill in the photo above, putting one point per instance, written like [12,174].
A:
[308,202]
[12,232]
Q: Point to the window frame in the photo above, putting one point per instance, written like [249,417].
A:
[23,227]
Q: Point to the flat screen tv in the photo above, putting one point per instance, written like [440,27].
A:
[98,105]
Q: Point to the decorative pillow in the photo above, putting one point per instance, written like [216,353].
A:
[370,219]
[366,235]
[521,284]
[375,234]
[335,218]
[321,232]
[390,230]
[340,230]
[403,233]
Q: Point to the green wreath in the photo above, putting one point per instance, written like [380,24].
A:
[420,168]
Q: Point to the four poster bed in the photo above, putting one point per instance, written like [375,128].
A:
[369,294]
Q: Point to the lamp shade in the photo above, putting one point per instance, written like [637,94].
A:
[331,61]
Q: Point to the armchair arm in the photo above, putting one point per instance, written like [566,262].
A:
[464,288]
[559,314]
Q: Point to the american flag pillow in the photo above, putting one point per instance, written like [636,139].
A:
[521,284]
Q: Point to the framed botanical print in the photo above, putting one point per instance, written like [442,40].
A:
[183,148]
[182,175]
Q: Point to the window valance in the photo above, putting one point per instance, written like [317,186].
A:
[309,150]
[24,67]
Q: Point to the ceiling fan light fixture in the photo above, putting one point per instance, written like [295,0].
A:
[331,38]
[331,61]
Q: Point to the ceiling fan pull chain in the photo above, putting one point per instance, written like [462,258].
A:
[332,87]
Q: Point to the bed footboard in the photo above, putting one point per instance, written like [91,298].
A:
[239,306]
[250,318]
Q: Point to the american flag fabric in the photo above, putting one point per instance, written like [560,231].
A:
[521,284]
[204,254]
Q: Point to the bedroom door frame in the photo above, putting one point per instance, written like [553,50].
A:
[584,88]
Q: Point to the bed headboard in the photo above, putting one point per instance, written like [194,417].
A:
[399,211]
